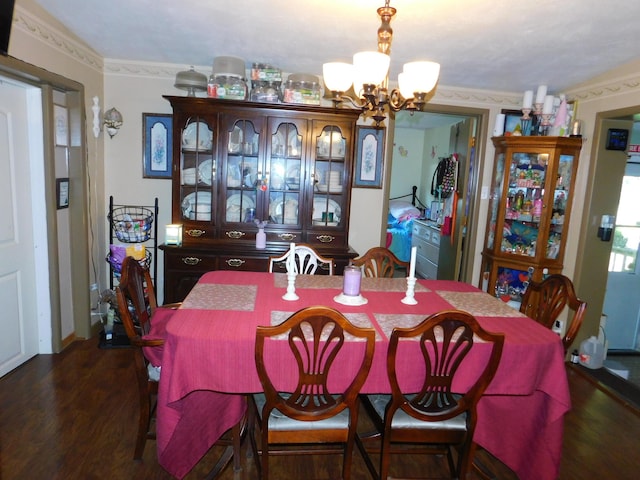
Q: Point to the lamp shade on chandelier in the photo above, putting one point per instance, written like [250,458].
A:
[369,76]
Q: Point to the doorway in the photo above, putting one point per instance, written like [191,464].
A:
[443,131]
[622,301]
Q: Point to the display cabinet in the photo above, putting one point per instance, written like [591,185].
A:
[529,211]
[235,163]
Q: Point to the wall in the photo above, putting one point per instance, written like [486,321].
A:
[609,96]
[137,88]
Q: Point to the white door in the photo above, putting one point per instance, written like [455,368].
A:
[18,321]
[622,298]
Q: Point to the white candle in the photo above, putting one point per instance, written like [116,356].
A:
[541,93]
[412,265]
[548,105]
[291,259]
[527,101]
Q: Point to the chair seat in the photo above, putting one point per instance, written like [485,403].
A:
[402,420]
[280,422]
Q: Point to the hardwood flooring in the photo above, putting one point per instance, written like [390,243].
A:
[74,416]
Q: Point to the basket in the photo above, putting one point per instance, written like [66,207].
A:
[116,263]
[132,224]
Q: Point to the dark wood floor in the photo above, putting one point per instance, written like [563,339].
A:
[73,416]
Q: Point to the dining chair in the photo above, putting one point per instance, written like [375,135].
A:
[138,309]
[544,301]
[307,261]
[304,414]
[439,412]
[380,262]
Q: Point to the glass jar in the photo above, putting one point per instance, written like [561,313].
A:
[307,93]
[227,87]
[264,91]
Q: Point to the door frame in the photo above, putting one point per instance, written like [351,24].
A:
[472,188]
[50,338]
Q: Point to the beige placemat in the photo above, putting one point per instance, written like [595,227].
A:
[214,296]
[479,304]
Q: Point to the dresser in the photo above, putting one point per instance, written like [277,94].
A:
[425,236]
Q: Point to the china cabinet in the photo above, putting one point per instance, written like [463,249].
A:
[529,211]
[236,163]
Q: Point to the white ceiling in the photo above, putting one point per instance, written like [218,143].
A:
[504,45]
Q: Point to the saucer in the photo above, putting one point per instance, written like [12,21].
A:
[350,300]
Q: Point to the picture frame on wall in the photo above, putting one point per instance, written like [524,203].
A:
[62,193]
[156,141]
[61,120]
[369,157]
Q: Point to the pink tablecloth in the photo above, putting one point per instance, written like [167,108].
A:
[209,354]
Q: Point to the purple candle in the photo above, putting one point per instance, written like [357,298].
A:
[352,276]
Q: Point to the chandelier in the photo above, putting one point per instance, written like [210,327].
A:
[369,75]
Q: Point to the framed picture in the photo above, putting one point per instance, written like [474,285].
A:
[511,120]
[156,142]
[369,157]
[61,121]
[62,193]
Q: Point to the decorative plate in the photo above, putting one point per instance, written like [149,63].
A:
[200,201]
[235,204]
[205,172]
[197,136]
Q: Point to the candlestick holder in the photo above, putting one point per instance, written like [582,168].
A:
[409,298]
[536,118]
[525,121]
[546,123]
[291,287]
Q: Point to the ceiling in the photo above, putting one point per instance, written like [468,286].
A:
[502,45]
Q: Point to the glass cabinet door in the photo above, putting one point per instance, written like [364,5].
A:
[330,178]
[494,199]
[285,170]
[561,188]
[524,202]
[242,171]
[197,170]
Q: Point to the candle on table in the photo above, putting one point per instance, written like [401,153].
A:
[291,259]
[527,101]
[541,93]
[412,265]
[548,105]
[352,276]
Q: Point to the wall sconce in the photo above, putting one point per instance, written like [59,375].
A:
[113,121]
[173,235]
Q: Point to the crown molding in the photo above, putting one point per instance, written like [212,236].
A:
[34,26]
[486,98]
[614,87]
[145,69]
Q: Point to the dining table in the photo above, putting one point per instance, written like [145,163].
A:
[208,361]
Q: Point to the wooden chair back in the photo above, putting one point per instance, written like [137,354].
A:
[380,262]
[439,414]
[445,340]
[315,336]
[544,302]
[308,260]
